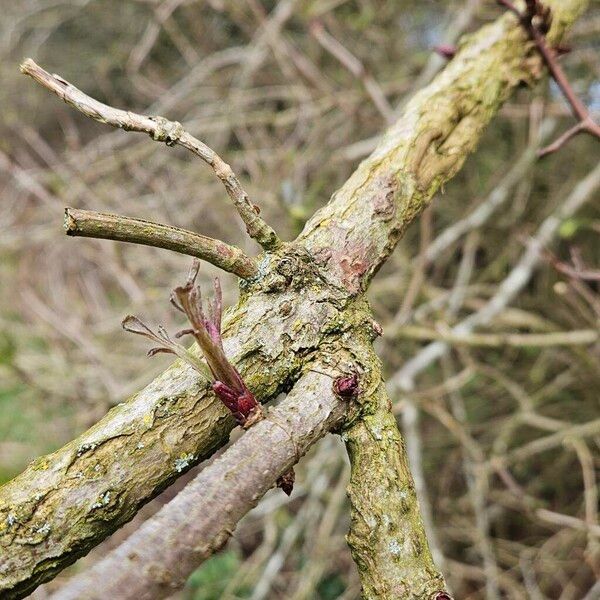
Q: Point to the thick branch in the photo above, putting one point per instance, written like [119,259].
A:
[160,130]
[161,554]
[87,223]
[65,503]
[440,127]
[387,537]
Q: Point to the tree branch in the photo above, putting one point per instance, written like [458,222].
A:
[576,337]
[64,504]
[387,537]
[87,223]
[160,130]
[307,297]
[440,127]
[159,556]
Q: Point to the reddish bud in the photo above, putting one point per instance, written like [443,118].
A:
[286,482]
[442,596]
[243,405]
[447,51]
[346,386]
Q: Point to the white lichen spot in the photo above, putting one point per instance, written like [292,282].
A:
[140,445]
[377,433]
[103,501]
[395,548]
[183,462]
[43,529]
[97,468]
[371,521]
[11,520]
[86,448]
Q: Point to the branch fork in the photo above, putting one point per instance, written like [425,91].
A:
[160,129]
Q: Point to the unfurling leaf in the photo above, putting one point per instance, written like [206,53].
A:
[227,382]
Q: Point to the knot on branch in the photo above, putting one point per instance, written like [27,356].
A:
[167,131]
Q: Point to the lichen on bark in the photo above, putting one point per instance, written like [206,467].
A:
[387,538]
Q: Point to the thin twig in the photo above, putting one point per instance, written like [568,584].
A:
[477,481]
[535,8]
[576,271]
[509,288]
[160,130]
[579,337]
[87,223]
[355,67]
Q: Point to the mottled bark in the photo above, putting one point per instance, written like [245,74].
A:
[303,301]
[162,553]
[63,504]
[387,537]
[356,231]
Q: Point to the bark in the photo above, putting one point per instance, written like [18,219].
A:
[161,554]
[356,231]
[306,298]
[387,538]
[65,503]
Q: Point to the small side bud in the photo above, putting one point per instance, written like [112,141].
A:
[447,51]
[286,482]
[346,386]
[377,328]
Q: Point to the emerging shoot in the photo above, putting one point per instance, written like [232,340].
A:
[206,330]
